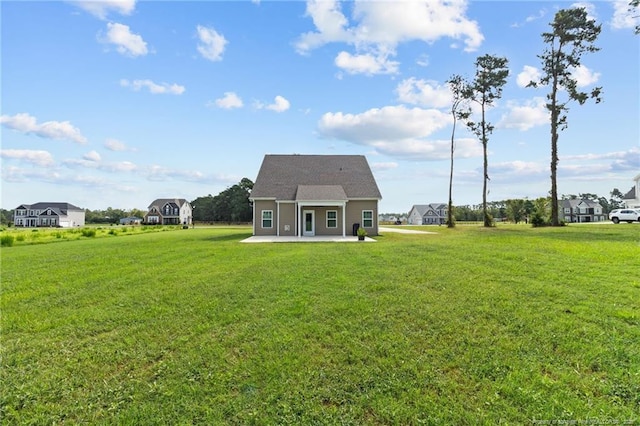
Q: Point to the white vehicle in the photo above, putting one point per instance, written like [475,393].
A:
[624,215]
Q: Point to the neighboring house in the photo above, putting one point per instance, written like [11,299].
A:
[63,215]
[392,218]
[131,220]
[428,214]
[307,195]
[169,211]
[581,211]
[632,198]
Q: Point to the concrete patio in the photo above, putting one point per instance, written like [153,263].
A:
[316,239]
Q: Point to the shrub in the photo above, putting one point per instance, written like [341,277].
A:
[113,232]
[6,241]
[20,237]
[538,220]
[87,232]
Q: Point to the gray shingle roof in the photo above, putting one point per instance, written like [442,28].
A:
[630,195]
[422,209]
[59,206]
[162,201]
[280,176]
[320,192]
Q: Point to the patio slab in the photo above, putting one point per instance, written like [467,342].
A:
[316,239]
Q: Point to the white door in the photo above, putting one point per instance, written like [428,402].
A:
[309,223]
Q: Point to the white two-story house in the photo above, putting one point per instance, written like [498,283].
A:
[169,211]
[57,215]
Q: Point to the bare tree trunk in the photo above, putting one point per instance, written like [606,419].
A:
[450,223]
[554,152]
[555,220]
[485,214]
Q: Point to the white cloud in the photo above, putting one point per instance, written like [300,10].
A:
[584,76]
[531,18]
[519,168]
[620,160]
[527,75]
[367,63]
[229,101]
[154,88]
[523,117]
[25,123]
[623,17]
[16,174]
[126,42]
[212,44]
[384,166]
[280,104]
[39,158]
[387,123]
[378,28]
[429,150]
[92,156]
[330,23]
[101,8]
[90,163]
[424,92]
[397,131]
[590,8]
[116,145]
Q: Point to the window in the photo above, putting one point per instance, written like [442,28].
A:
[332,218]
[367,218]
[267,218]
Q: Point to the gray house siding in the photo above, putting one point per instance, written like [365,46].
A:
[265,206]
[296,188]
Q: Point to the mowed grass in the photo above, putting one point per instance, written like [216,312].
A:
[509,325]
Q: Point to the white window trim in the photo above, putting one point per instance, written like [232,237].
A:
[363,218]
[334,219]
[263,219]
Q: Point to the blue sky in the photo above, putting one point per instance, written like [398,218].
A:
[116,103]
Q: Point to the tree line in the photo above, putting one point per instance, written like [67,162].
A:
[230,206]
[233,206]
[534,211]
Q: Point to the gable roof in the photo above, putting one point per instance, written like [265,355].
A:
[59,206]
[631,195]
[159,202]
[422,209]
[575,202]
[282,177]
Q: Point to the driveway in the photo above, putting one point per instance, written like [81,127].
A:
[400,230]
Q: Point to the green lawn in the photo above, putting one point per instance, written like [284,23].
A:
[509,325]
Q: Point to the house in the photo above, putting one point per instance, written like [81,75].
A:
[169,211]
[308,195]
[62,215]
[632,198]
[428,214]
[581,211]
[131,220]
